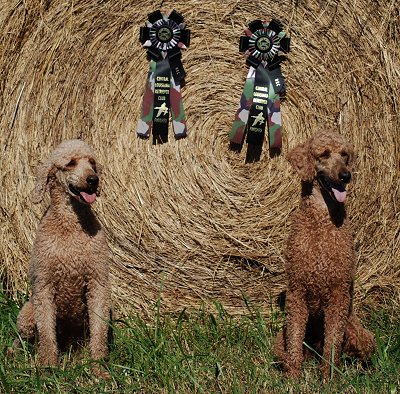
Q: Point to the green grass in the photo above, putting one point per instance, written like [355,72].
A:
[197,352]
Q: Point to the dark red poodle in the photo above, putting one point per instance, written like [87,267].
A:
[321,261]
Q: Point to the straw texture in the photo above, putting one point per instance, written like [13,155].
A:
[189,218]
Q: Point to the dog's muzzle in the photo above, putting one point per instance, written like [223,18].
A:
[87,195]
[337,190]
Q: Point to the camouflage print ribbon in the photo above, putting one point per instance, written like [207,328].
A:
[260,100]
[164,37]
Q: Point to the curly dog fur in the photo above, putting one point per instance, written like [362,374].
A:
[320,261]
[70,258]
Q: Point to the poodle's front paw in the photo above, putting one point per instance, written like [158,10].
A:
[10,352]
[291,371]
[100,372]
[47,358]
[327,372]
[292,374]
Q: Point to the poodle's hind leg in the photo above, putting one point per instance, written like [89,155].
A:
[26,327]
[358,341]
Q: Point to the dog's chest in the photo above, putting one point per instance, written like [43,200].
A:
[70,258]
[70,294]
[68,262]
[320,254]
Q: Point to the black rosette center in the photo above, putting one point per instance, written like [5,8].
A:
[263,44]
[165,34]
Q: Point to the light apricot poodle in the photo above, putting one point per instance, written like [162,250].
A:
[321,261]
[70,258]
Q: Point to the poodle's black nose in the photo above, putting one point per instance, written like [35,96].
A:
[92,180]
[345,176]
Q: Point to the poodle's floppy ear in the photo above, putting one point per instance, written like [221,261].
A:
[42,179]
[302,161]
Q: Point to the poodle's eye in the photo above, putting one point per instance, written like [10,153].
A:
[325,154]
[93,164]
[71,163]
[345,156]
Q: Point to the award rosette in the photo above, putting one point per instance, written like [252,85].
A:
[264,45]
[163,37]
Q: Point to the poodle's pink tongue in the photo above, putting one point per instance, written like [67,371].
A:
[89,198]
[339,195]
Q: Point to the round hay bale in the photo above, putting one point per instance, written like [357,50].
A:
[188,220]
